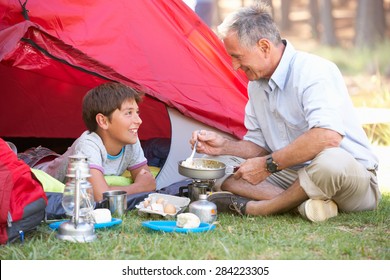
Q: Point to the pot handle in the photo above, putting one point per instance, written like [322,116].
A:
[230,170]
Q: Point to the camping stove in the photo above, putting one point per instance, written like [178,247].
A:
[198,187]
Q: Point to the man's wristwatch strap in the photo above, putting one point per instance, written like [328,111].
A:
[271,165]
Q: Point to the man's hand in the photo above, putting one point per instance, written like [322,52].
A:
[209,142]
[253,170]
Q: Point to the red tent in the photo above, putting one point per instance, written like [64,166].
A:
[53,52]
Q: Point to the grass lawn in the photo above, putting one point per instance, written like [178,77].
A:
[356,236]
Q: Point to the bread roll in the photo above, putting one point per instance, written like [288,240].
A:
[101,215]
[187,220]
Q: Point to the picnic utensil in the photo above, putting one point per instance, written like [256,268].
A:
[189,160]
[115,201]
[170,226]
[204,169]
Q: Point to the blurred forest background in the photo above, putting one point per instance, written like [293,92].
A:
[345,23]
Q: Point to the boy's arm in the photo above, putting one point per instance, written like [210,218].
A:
[143,182]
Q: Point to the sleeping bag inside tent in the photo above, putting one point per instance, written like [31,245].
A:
[53,52]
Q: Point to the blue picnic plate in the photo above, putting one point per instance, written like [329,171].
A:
[170,226]
[114,221]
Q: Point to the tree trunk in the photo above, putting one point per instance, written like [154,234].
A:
[370,23]
[285,22]
[328,31]
[315,18]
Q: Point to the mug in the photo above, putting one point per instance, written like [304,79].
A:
[116,201]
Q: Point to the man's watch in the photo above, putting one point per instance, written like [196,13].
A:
[271,165]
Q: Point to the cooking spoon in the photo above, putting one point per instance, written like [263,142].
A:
[189,160]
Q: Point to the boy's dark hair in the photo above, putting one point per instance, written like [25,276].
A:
[105,99]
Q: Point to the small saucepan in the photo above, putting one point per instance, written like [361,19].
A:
[205,169]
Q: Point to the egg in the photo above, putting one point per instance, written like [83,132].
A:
[160,200]
[157,207]
[146,203]
[170,208]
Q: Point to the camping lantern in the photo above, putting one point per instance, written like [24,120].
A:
[78,202]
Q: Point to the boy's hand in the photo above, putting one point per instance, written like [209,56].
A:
[145,178]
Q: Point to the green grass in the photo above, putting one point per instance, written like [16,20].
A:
[354,236]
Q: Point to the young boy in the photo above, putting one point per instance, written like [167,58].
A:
[111,114]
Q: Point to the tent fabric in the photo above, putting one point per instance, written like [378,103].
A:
[67,47]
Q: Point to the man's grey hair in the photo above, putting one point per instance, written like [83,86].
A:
[251,24]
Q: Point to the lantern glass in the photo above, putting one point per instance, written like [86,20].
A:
[87,202]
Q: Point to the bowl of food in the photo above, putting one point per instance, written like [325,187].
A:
[203,168]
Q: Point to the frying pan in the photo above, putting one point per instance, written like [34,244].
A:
[205,169]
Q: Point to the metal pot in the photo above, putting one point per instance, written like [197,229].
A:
[204,169]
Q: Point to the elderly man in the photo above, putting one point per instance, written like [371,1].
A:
[304,146]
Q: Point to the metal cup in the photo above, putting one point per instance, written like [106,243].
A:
[116,201]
